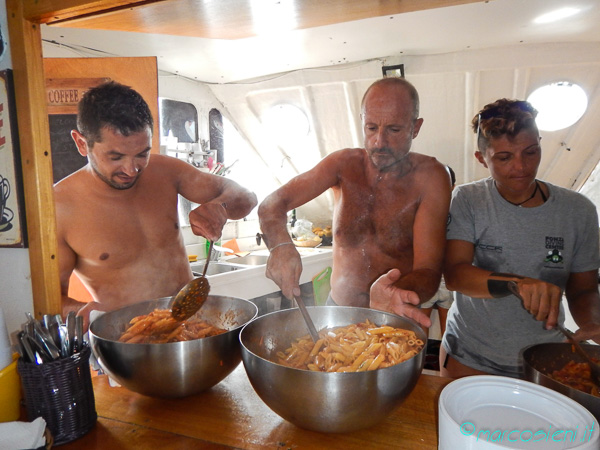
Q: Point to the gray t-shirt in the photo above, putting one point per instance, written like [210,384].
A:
[546,242]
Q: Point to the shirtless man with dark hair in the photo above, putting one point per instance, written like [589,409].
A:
[117,217]
[390,211]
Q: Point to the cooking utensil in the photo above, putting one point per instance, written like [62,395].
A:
[176,369]
[594,367]
[309,323]
[42,340]
[193,295]
[64,339]
[70,332]
[78,333]
[26,350]
[55,334]
[45,343]
[325,401]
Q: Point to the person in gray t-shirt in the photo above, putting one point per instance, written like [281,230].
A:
[514,231]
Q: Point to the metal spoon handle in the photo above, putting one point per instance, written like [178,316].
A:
[309,323]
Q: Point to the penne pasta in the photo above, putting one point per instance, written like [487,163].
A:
[577,376]
[358,347]
[159,327]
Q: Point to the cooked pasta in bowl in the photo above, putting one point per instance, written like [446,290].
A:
[549,365]
[146,351]
[364,364]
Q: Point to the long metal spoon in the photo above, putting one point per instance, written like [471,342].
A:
[309,323]
[193,295]
[594,367]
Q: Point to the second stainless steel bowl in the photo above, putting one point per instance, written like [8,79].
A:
[320,401]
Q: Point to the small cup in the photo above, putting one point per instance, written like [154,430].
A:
[4,194]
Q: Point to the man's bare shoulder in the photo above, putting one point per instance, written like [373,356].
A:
[425,162]
[347,158]
[168,167]
[72,184]
[425,165]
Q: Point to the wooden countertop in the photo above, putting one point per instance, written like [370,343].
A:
[231,415]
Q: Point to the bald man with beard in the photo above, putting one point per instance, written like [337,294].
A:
[390,211]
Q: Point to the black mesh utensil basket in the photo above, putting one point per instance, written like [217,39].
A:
[61,392]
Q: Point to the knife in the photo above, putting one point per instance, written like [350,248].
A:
[70,332]
[79,333]
[26,350]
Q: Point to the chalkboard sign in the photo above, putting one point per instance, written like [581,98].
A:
[66,159]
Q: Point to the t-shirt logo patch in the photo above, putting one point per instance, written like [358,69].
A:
[554,256]
[554,246]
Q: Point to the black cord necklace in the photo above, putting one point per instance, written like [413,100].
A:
[537,188]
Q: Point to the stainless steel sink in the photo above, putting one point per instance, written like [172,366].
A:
[214,268]
[248,260]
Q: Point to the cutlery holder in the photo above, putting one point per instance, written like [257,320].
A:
[61,392]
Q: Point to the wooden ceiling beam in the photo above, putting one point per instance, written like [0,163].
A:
[49,11]
[224,19]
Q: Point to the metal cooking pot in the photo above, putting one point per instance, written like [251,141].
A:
[540,360]
[174,369]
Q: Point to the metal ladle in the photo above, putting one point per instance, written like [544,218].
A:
[193,295]
[309,323]
[594,367]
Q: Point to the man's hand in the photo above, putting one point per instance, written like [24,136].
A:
[284,267]
[387,297]
[208,219]
[86,310]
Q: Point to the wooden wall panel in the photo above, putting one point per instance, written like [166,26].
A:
[141,73]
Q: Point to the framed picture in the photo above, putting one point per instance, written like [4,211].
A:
[13,232]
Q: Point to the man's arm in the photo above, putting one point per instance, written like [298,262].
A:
[584,304]
[66,264]
[284,266]
[429,234]
[219,198]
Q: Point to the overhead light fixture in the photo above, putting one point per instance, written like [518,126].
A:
[556,15]
[559,105]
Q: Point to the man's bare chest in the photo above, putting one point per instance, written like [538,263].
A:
[383,216]
[114,234]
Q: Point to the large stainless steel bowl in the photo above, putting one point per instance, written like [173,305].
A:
[326,402]
[540,360]
[176,369]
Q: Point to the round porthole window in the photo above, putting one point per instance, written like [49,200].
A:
[559,105]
